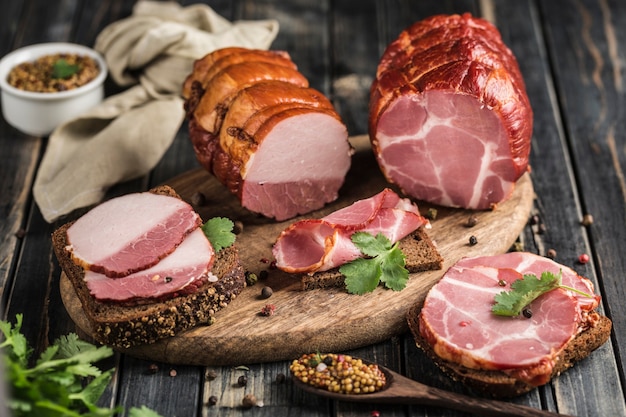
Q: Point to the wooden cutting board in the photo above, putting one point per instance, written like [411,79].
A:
[329,320]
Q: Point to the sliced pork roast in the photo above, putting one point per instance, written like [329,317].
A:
[457,322]
[141,246]
[450,121]
[255,124]
[130,233]
[316,245]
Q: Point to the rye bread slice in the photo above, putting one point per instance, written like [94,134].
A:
[498,384]
[124,326]
[420,255]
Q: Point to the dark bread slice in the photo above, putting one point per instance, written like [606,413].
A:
[125,326]
[420,254]
[498,384]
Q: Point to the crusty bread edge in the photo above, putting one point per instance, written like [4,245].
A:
[497,384]
[126,326]
[333,278]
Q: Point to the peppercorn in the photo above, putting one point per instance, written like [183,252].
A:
[198,199]
[527,312]
[173,372]
[471,221]
[432,213]
[473,240]
[268,310]
[587,220]
[251,278]
[237,227]
[212,400]
[242,381]
[551,254]
[344,374]
[266,292]
[249,401]
[502,283]
[153,368]
[583,258]
[211,375]
[263,274]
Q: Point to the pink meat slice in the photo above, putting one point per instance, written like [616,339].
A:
[130,233]
[457,321]
[191,261]
[313,245]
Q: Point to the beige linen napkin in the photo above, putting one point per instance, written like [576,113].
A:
[151,52]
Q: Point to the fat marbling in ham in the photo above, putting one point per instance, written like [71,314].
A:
[457,322]
[450,121]
[190,262]
[130,233]
[314,245]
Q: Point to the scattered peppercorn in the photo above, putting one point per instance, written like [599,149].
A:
[153,368]
[471,221]
[242,381]
[527,312]
[542,229]
[266,292]
[212,400]
[249,401]
[273,265]
[375,413]
[535,219]
[268,310]
[198,199]
[263,274]
[280,378]
[251,278]
[502,283]
[473,240]
[173,372]
[264,260]
[551,254]
[237,227]
[431,213]
[211,375]
[517,247]
[583,258]
[345,374]
[168,279]
[587,220]
[20,233]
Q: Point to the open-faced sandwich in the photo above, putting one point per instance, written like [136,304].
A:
[382,228]
[143,267]
[505,324]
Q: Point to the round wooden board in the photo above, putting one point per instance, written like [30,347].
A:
[319,320]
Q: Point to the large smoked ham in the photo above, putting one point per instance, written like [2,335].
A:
[450,121]
[501,355]
[257,126]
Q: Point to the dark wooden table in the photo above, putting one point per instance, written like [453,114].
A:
[572,55]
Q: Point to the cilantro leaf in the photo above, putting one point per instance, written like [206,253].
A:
[525,290]
[219,232]
[63,69]
[384,263]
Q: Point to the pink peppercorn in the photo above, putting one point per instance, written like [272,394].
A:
[583,258]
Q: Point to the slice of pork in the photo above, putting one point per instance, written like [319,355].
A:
[130,233]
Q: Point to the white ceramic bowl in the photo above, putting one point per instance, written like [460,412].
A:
[38,114]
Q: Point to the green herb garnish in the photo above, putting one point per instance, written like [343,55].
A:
[63,69]
[54,385]
[219,231]
[384,263]
[525,290]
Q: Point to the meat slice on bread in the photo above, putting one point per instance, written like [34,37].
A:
[505,356]
[317,248]
[126,320]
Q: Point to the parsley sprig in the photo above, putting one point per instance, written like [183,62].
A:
[219,232]
[384,263]
[525,290]
[63,69]
[55,385]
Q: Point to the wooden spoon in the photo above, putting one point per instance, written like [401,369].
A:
[402,390]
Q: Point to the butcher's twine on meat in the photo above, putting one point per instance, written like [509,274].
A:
[151,53]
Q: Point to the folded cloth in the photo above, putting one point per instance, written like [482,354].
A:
[151,52]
